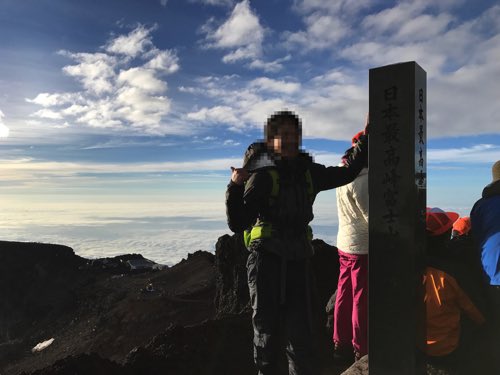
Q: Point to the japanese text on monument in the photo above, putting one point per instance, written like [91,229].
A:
[391,141]
[421,142]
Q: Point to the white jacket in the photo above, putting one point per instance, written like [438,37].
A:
[352,206]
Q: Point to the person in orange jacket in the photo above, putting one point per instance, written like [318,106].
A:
[445,300]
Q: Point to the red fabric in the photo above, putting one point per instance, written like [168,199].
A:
[355,139]
[462,225]
[439,221]
[350,324]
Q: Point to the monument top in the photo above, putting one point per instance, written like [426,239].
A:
[395,65]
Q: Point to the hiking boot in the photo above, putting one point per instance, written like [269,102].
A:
[343,353]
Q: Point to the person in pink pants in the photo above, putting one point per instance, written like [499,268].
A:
[350,323]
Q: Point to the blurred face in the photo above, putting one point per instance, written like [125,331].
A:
[286,143]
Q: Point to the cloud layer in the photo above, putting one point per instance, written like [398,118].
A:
[459,54]
[124,87]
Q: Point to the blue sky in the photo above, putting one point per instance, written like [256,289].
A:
[129,108]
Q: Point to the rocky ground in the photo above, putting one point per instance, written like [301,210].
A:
[105,318]
[192,318]
[100,308]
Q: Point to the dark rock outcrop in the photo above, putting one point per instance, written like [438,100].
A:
[231,296]
[88,307]
[325,265]
[231,292]
[36,281]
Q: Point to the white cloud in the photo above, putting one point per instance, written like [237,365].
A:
[423,27]
[231,142]
[390,19]
[131,45]
[241,29]
[269,66]
[331,77]
[46,99]
[101,114]
[466,101]
[217,114]
[75,110]
[256,110]
[4,130]
[482,153]
[95,71]
[47,113]
[460,58]
[326,23]
[272,85]
[241,33]
[322,31]
[331,115]
[408,22]
[242,36]
[411,32]
[164,61]
[238,98]
[380,54]
[119,94]
[140,109]
[332,107]
[142,79]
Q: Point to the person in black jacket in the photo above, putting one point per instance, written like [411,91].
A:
[271,198]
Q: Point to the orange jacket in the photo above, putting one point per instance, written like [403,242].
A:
[444,300]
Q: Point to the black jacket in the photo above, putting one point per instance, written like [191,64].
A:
[292,211]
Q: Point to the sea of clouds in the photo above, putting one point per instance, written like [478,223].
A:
[164,232]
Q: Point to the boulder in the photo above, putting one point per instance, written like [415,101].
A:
[358,368]
[231,295]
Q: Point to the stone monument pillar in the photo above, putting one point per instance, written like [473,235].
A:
[397,185]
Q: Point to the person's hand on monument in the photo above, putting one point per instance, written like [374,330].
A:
[239,175]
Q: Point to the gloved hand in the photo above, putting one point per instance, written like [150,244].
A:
[239,175]
[359,151]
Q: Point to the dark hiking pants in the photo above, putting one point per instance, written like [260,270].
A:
[281,303]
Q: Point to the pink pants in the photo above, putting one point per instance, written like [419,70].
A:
[350,319]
